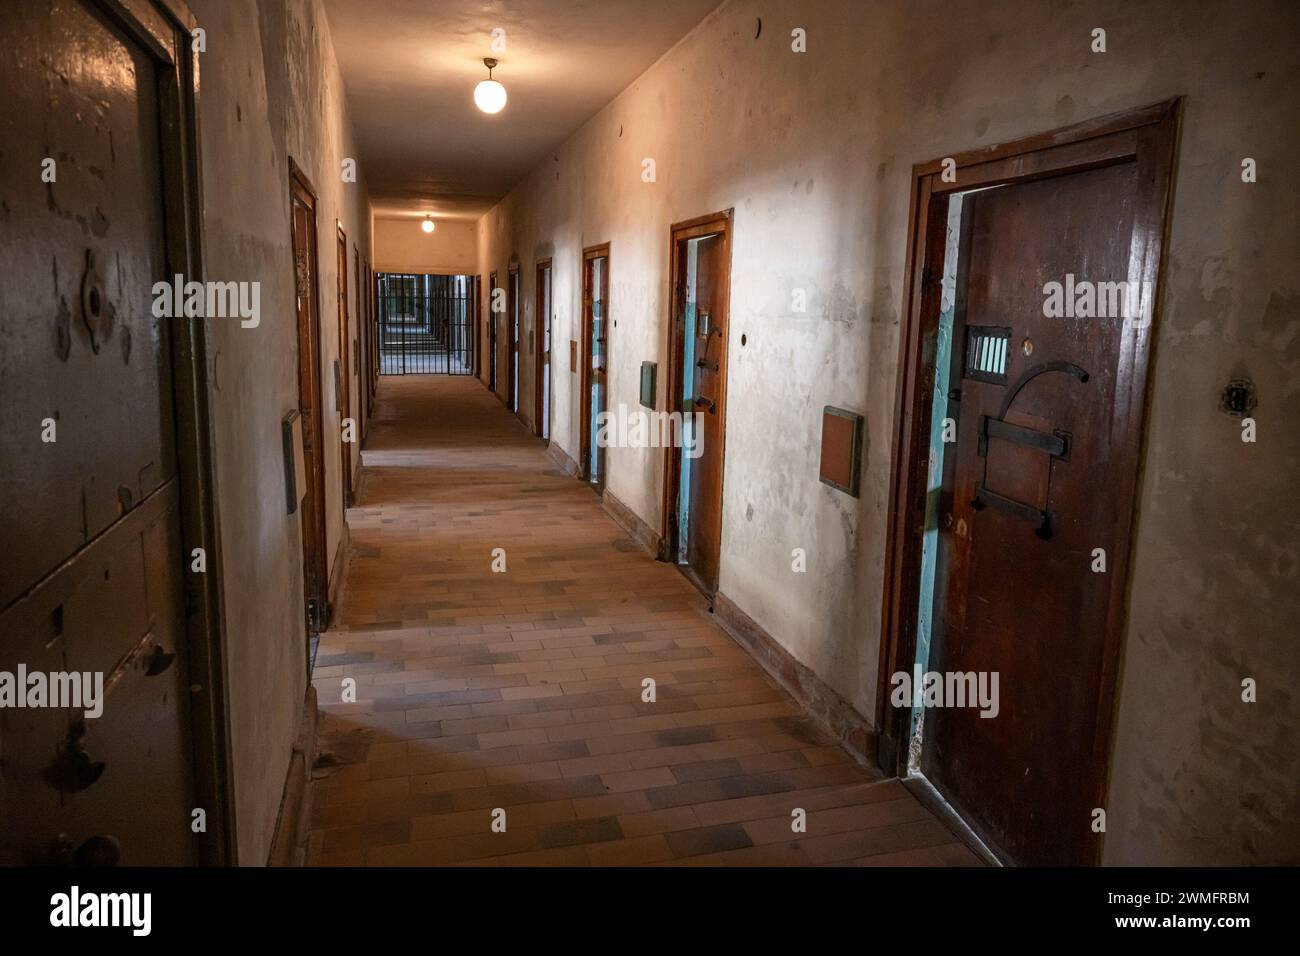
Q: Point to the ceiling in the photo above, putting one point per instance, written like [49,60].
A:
[410,67]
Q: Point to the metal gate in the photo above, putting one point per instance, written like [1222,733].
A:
[426,324]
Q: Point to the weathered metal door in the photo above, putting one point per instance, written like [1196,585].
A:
[91,562]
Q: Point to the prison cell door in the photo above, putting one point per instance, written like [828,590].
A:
[90,499]
[315,567]
[493,317]
[706,374]
[1029,497]
[542,371]
[343,370]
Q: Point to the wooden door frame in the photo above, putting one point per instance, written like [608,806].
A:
[344,396]
[678,233]
[165,36]
[493,336]
[359,346]
[319,539]
[1148,136]
[589,253]
[540,323]
[514,325]
[372,336]
[372,330]
[476,296]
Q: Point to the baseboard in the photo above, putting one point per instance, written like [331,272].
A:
[631,522]
[561,460]
[827,707]
[289,845]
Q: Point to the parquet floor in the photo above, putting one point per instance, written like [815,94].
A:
[521,690]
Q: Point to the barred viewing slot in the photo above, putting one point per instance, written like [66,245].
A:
[986,353]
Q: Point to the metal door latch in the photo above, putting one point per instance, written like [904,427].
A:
[72,770]
[1055,444]
[158,661]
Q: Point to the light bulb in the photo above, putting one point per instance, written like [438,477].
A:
[490,96]
[427,225]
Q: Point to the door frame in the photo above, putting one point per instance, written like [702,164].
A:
[315,478]
[166,38]
[476,294]
[1148,136]
[359,345]
[589,253]
[344,396]
[493,335]
[372,331]
[541,323]
[680,232]
[514,322]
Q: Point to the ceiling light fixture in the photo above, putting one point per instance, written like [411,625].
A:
[427,225]
[489,95]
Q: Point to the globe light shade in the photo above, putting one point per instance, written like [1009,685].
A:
[427,225]
[490,96]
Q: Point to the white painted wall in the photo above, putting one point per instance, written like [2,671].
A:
[814,152]
[270,89]
[401,246]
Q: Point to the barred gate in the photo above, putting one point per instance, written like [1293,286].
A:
[426,324]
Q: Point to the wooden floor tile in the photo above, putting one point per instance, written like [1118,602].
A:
[479,692]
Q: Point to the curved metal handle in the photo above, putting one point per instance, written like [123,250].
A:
[72,770]
[158,661]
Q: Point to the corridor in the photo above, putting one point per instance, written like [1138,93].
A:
[719,432]
[521,689]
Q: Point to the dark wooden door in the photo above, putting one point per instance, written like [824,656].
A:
[595,359]
[359,344]
[372,331]
[493,317]
[704,540]
[542,370]
[315,565]
[1030,489]
[599,352]
[584,358]
[512,343]
[476,303]
[92,574]
[343,371]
